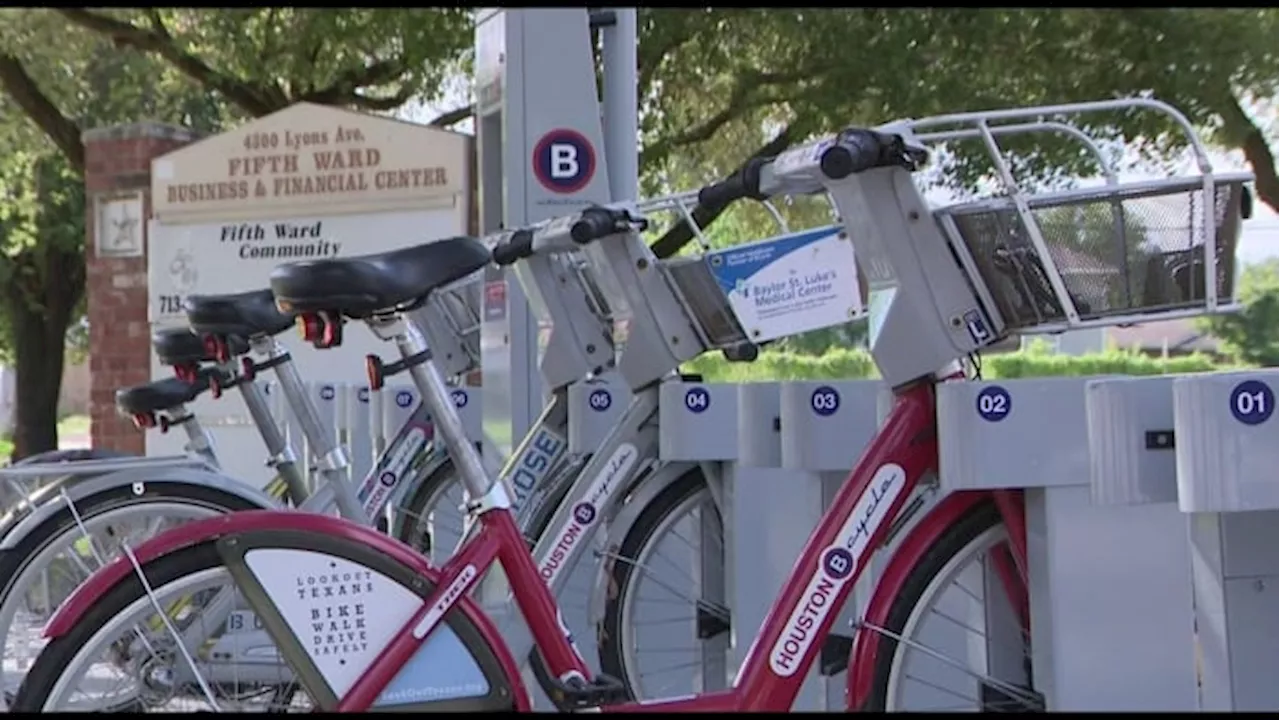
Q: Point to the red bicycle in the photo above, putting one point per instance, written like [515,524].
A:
[363,622]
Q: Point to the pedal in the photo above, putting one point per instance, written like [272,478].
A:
[578,694]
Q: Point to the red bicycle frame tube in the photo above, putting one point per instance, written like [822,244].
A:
[498,539]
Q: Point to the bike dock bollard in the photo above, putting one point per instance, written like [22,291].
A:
[347,411]
[824,428]
[698,423]
[595,407]
[1225,430]
[750,522]
[1109,585]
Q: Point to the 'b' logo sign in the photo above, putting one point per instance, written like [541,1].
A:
[564,161]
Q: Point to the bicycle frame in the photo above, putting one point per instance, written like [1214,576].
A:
[778,661]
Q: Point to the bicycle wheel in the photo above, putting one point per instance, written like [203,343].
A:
[656,635]
[952,641]
[140,659]
[434,517]
[58,555]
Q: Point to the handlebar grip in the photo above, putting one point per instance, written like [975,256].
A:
[745,183]
[856,150]
[597,222]
[518,247]
[743,352]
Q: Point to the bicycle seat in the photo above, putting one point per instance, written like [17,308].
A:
[360,286]
[160,395]
[243,314]
[181,346]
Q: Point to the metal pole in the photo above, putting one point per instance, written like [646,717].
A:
[620,109]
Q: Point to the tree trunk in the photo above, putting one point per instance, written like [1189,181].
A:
[39,382]
[39,340]
[1241,131]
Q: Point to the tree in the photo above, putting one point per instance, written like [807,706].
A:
[719,83]
[68,70]
[1251,335]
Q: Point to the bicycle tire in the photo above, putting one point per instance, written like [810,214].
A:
[59,653]
[417,501]
[15,562]
[953,541]
[609,639]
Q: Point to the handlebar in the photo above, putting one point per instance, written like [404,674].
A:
[856,150]
[562,234]
[745,183]
[517,247]
[598,222]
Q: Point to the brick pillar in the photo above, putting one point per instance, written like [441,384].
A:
[118,160]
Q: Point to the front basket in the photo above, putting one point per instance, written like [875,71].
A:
[1120,253]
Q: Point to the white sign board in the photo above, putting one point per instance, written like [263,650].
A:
[229,257]
[790,284]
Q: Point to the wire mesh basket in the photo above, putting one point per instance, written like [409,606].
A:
[456,309]
[1114,253]
[1129,250]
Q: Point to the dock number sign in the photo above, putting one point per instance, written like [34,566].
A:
[564,161]
[1252,402]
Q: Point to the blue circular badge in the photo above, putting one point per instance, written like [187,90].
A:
[825,400]
[363,395]
[564,161]
[584,513]
[1252,402]
[327,392]
[837,563]
[460,398]
[404,398]
[600,400]
[994,403]
[697,399]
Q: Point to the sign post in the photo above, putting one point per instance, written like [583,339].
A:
[540,146]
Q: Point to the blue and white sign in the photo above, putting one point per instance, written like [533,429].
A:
[1252,402]
[564,161]
[327,392]
[994,403]
[790,284]
[363,395]
[697,399]
[404,398]
[825,400]
[977,327]
[600,400]
[460,398]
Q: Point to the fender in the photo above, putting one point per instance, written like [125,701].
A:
[194,533]
[889,585]
[617,527]
[45,503]
[62,474]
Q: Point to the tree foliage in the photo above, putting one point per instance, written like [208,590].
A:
[1253,334]
[718,84]
[67,70]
